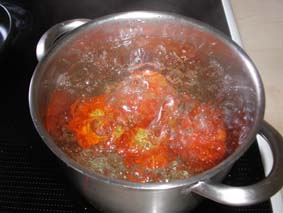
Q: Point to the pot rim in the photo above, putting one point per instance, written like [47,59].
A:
[143,15]
[9,19]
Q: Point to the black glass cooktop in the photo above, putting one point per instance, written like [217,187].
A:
[30,176]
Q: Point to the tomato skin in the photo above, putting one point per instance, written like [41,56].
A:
[92,121]
[201,139]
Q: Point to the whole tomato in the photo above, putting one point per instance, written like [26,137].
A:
[200,137]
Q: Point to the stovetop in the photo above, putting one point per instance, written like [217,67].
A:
[30,176]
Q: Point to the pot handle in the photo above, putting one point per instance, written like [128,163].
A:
[255,193]
[51,36]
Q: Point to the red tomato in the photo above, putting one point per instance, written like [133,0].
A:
[140,147]
[201,138]
[138,98]
[136,102]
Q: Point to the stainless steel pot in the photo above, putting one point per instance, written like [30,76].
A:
[117,195]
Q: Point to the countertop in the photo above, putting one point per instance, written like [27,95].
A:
[260,23]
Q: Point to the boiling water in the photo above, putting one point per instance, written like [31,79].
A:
[89,70]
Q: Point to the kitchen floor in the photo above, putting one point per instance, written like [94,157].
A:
[260,23]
